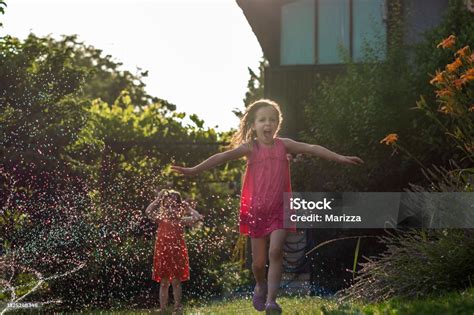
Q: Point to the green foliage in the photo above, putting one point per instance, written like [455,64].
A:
[40,116]
[454,93]
[25,283]
[417,264]
[3,5]
[38,112]
[352,112]
[105,78]
[255,86]
[356,258]
[83,148]
[212,273]
[126,151]
[233,276]
[427,59]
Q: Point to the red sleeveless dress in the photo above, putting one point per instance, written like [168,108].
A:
[170,260]
[266,179]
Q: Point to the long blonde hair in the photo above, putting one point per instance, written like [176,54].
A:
[245,132]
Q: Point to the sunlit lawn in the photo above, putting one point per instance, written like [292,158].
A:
[454,303]
[450,304]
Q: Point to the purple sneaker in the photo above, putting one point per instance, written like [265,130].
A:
[272,308]
[258,300]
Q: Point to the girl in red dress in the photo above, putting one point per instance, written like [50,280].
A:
[267,178]
[170,262]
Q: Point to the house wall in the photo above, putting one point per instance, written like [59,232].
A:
[422,15]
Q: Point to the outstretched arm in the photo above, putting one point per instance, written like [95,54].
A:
[195,217]
[213,161]
[189,221]
[319,151]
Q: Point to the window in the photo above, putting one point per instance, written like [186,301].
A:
[297,33]
[313,31]
[369,27]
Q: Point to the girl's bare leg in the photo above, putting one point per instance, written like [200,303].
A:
[164,289]
[259,260]
[177,293]
[275,253]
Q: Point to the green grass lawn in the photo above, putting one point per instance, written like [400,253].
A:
[454,303]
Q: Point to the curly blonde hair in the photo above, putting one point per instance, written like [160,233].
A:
[245,133]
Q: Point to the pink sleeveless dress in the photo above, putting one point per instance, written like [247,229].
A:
[266,179]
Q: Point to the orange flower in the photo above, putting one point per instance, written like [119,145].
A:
[444,92]
[468,75]
[448,42]
[454,66]
[471,108]
[470,59]
[437,78]
[462,52]
[389,139]
[446,109]
[458,83]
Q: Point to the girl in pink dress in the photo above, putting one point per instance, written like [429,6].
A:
[267,178]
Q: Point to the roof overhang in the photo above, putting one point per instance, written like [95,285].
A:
[264,17]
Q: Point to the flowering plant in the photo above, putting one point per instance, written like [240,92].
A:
[455,95]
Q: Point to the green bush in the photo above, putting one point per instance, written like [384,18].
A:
[416,264]
[353,111]
[77,173]
[422,262]
[434,147]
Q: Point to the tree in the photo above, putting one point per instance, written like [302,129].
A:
[80,171]
[3,5]
[255,86]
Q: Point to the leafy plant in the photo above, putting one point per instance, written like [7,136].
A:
[422,262]
[81,158]
[3,5]
[350,112]
[416,264]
